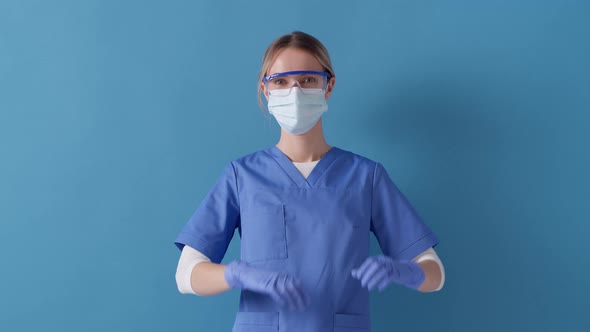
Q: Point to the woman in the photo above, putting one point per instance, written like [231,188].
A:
[304,211]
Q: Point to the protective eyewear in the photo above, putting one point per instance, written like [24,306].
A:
[305,79]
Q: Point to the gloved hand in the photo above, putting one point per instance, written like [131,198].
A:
[378,272]
[282,288]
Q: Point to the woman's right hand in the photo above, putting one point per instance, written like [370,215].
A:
[282,288]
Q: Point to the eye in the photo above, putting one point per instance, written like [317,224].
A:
[278,81]
[309,80]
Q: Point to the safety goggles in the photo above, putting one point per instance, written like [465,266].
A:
[281,83]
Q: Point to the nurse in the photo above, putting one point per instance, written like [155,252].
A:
[304,211]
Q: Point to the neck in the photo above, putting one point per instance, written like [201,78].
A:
[310,146]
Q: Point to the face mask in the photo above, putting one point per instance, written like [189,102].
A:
[297,110]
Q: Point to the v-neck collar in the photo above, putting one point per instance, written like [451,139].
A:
[316,173]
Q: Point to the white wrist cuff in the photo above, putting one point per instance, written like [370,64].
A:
[430,254]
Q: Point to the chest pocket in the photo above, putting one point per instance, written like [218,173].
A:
[263,232]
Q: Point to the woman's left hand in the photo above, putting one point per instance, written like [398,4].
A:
[378,272]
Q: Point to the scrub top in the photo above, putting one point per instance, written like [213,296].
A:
[316,229]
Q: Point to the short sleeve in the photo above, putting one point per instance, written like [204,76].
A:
[212,226]
[400,231]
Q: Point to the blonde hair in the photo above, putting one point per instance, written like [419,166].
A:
[296,39]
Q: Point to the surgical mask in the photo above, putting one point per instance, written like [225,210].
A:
[297,110]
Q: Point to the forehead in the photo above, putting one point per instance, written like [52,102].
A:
[290,59]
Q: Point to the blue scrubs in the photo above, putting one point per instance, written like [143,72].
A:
[317,229]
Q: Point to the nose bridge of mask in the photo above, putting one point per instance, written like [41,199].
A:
[298,96]
[296,91]
[288,91]
[285,97]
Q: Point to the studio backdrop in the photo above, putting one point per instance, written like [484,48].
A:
[116,118]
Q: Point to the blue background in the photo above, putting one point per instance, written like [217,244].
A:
[116,117]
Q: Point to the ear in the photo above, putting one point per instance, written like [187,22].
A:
[263,88]
[330,87]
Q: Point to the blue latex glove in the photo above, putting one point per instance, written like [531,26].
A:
[282,288]
[378,272]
